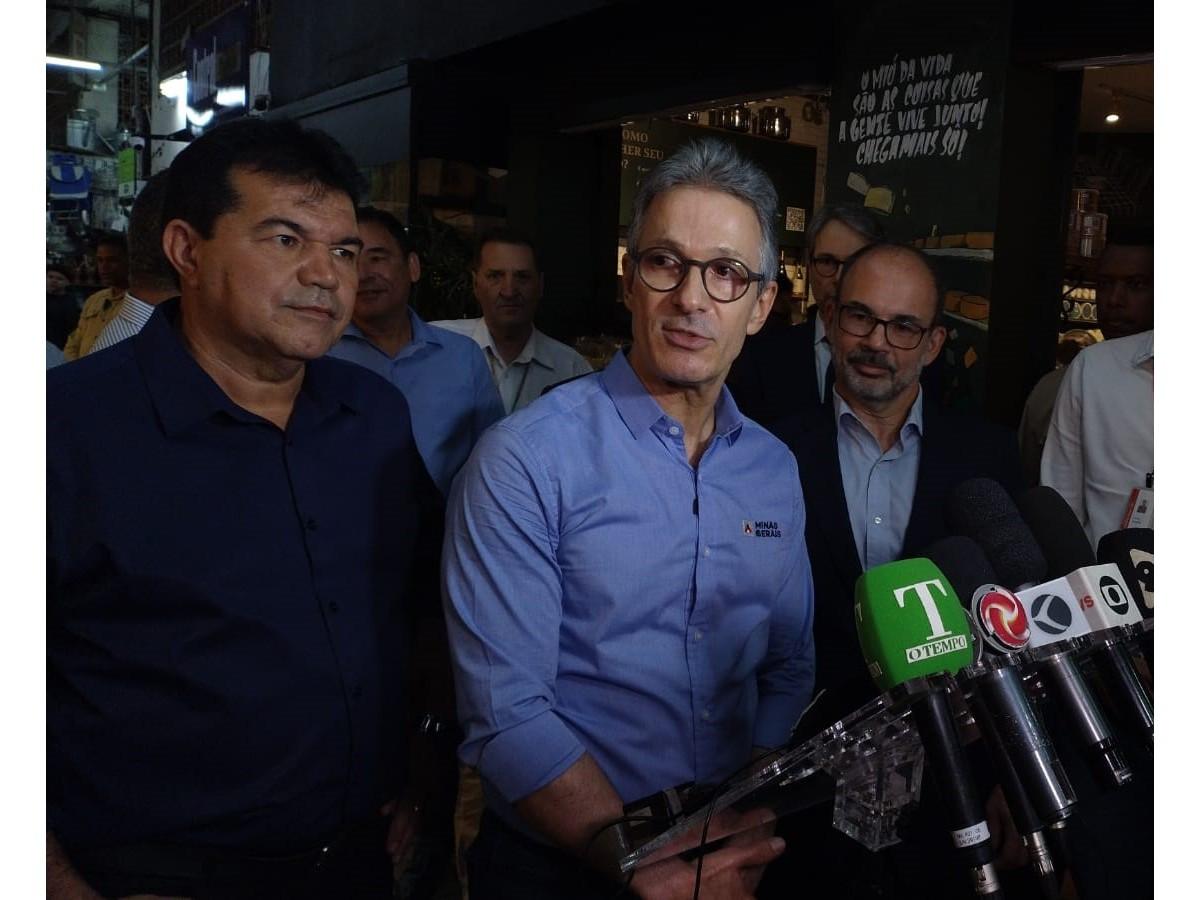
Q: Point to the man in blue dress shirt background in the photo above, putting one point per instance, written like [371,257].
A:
[241,536]
[627,591]
[444,376]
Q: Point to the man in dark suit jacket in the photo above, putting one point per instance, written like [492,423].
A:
[782,371]
[876,465]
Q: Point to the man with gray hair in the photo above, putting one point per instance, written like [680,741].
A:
[628,595]
[784,371]
[151,278]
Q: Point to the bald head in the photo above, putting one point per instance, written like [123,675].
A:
[895,261]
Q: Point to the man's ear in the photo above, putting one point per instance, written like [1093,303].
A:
[937,337]
[414,268]
[762,307]
[181,245]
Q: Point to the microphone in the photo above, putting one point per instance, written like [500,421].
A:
[982,510]
[911,626]
[1031,775]
[1101,594]
[1132,551]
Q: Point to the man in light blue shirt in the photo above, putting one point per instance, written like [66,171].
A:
[628,594]
[443,376]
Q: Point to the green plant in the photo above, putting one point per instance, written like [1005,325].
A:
[444,291]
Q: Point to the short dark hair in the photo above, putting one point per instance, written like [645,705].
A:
[147,262]
[200,188]
[903,250]
[393,225]
[503,235]
[858,219]
[111,239]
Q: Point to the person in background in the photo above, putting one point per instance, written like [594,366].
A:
[784,371]
[1100,443]
[62,309]
[151,277]
[1035,417]
[627,592]
[877,465]
[241,536]
[112,268]
[443,375]
[508,285]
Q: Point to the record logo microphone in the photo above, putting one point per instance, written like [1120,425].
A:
[1001,618]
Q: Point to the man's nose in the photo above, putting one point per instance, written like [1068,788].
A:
[317,268]
[691,293]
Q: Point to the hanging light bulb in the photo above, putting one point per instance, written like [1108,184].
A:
[1114,109]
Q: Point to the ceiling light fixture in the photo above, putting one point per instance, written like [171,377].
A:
[1114,107]
[67,62]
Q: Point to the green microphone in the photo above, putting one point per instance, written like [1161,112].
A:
[911,626]
[910,623]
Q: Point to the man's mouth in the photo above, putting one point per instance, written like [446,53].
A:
[686,339]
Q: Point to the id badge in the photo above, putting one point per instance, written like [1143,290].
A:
[1139,511]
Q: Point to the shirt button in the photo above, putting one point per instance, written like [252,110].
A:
[697,634]
[674,429]
[707,551]
[878,520]
[333,606]
[311,524]
[704,714]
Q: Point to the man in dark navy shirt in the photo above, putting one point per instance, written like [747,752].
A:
[241,536]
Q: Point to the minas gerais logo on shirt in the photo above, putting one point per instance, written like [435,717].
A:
[761,528]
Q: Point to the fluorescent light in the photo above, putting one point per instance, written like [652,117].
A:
[68,63]
[1112,117]
[231,96]
[174,87]
[199,119]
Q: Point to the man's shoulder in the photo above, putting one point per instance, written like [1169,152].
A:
[91,375]
[457,341]
[368,391]
[562,356]
[456,326]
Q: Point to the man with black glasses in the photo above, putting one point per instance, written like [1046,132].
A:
[627,592]
[876,466]
[784,371]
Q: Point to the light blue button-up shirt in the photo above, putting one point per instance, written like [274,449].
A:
[603,595]
[450,392]
[879,485]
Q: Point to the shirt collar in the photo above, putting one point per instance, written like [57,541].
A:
[914,423]
[535,349]
[185,395]
[422,334]
[640,412]
[818,330]
[1143,350]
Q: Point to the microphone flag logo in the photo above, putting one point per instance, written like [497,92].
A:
[1114,594]
[1001,618]
[1051,613]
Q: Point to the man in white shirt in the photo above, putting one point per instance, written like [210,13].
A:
[151,278]
[508,286]
[1100,445]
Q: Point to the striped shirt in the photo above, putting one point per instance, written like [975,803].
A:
[131,315]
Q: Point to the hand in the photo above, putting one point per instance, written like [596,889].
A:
[1006,840]
[731,873]
[406,822]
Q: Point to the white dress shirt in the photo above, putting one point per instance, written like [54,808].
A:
[1101,440]
[542,362]
[131,317]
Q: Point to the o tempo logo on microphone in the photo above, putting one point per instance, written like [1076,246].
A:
[1001,618]
[936,648]
[1051,613]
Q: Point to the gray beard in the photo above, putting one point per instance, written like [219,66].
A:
[873,390]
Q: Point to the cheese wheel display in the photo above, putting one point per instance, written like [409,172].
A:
[981,240]
[950,241]
[974,307]
[954,300]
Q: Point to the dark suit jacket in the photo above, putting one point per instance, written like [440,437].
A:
[775,375]
[953,448]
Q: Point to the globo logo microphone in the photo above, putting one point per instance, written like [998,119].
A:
[1103,598]
[1001,618]
[910,622]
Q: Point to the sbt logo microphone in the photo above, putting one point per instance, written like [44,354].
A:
[910,622]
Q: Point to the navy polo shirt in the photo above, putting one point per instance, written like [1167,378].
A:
[227,602]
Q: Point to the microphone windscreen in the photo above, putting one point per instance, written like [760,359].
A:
[1117,543]
[964,564]
[982,510]
[1057,530]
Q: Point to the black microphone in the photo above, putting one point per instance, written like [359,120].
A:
[1102,596]
[1132,551]
[1031,775]
[981,509]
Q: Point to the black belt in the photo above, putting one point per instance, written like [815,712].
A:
[190,870]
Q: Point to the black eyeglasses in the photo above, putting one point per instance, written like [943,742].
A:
[827,265]
[900,333]
[724,279]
